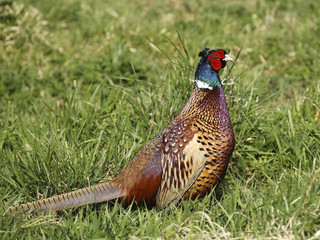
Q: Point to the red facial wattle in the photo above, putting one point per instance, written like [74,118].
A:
[215,59]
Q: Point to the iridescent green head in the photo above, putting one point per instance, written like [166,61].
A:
[207,73]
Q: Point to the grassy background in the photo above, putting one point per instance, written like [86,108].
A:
[83,86]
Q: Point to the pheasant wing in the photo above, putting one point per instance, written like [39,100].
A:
[181,161]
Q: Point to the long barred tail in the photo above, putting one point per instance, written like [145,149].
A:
[94,194]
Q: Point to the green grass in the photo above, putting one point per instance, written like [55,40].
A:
[83,86]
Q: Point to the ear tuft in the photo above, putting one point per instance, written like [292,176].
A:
[204,52]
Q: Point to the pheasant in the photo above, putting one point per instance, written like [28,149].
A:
[185,160]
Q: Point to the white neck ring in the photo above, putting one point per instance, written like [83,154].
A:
[203,85]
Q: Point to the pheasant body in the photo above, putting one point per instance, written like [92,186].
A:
[184,160]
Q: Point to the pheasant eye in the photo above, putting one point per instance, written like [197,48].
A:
[215,56]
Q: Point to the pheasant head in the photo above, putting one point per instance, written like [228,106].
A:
[207,73]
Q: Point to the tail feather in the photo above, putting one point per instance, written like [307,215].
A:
[94,194]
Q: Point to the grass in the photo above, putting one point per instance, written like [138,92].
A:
[84,85]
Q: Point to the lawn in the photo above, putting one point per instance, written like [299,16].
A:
[85,84]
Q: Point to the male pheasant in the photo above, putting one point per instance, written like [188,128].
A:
[185,160]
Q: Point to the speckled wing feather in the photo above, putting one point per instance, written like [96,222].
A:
[181,162]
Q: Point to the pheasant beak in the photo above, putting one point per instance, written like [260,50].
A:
[227,58]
